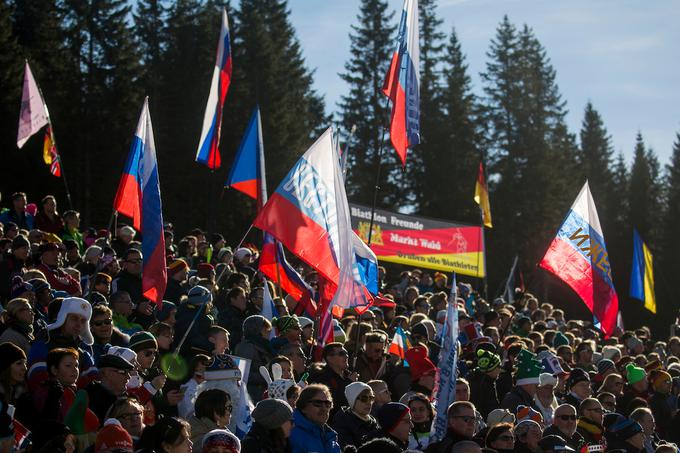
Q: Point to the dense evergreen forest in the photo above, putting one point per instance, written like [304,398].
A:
[95,61]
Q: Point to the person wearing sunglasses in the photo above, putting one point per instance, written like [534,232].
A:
[461,426]
[272,425]
[354,421]
[335,374]
[501,438]
[589,425]
[311,431]
[660,402]
[105,334]
[564,425]
[528,434]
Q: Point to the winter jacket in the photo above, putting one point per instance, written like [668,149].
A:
[308,437]
[483,392]
[10,266]
[23,220]
[259,356]
[446,444]
[174,291]
[575,441]
[592,433]
[663,413]
[197,337]
[335,383]
[37,357]
[515,398]
[14,334]
[350,428]
[231,318]
[258,440]
[60,280]
[132,284]
[44,223]
[200,427]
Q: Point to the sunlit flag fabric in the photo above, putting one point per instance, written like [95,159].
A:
[274,265]
[269,311]
[400,343]
[142,172]
[50,154]
[642,274]
[578,256]
[208,152]
[247,172]
[317,228]
[402,83]
[482,197]
[33,114]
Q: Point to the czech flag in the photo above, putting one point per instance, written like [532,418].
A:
[642,274]
[247,173]
[578,256]
[141,193]
[208,152]
[402,84]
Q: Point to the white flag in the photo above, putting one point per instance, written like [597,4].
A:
[33,114]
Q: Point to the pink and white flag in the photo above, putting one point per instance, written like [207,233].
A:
[33,114]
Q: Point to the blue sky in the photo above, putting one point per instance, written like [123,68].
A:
[621,55]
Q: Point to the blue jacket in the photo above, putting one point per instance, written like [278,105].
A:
[308,437]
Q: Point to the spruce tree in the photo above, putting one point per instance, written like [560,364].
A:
[532,152]
[616,225]
[644,192]
[450,163]
[372,45]
[668,258]
[150,19]
[595,157]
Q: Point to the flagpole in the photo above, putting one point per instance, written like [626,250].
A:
[58,157]
[377,177]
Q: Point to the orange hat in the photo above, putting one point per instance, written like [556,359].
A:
[177,266]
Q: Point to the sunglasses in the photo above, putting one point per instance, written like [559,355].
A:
[366,398]
[465,418]
[103,322]
[321,403]
[566,417]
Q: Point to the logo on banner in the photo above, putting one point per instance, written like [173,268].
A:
[376,237]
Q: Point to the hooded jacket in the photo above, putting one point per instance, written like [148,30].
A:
[308,437]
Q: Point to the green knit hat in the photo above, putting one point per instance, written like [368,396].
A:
[487,361]
[560,339]
[529,368]
[634,373]
[142,340]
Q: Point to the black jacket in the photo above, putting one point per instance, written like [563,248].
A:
[663,414]
[231,318]
[350,428]
[335,383]
[575,441]
[483,392]
[258,440]
[446,444]
[100,399]
[515,398]
[174,291]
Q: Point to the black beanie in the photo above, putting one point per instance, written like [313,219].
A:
[10,353]
[20,241]
[421,329]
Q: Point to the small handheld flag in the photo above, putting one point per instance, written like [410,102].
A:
[402,83]
[578,256]
[50,155]
[208,152]
[482,197]
[400,344]
[247,172]
[642,274]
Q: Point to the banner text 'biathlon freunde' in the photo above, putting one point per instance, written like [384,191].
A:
[422,242]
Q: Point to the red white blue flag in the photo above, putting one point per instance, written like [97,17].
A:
[402,84]
[309,214]
[247,172]
[274,265]
[208,152]
[578,256]
[141,179]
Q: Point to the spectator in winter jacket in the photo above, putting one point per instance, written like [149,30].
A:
[422,416]
[231,317]
[13,264]
[311,432]
[461,425]
[660,403]
[130,280]
[48,219]
[272,426]
[18,214]
[545,400]
[564,425]
[50,266]
[256,347]
[354,421]
[483,382]
[18,324]
[591,414]
[212,410]
[526,382]
[193,317]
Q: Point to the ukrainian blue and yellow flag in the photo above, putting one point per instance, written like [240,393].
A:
[642,274]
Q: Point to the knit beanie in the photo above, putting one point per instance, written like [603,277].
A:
[111,437]
[529,368]
[658,377]
[272,413]
[487,361]
[420,329]
[19,287]
[605,365]
[20,241]
[10,353]
[419,363]
[560,339]
[166,309]
[626,428]
[634,373]
[609,352]
[286,323]
[199,296]
[220,438]
[142,340]
[204,270]
[577,375]
[39,285]
[390,414]
[353,390]
[528,413]
[177,266]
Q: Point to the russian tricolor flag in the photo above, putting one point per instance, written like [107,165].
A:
[208,147]
[402,84]
[139,197]
[247,173]
[578,256]
[273,264]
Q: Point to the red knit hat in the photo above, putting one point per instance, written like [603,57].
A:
[113,436]
[177,266]
[419,363]
[205,269]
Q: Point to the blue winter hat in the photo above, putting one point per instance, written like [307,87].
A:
[199,296]
[166,309]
